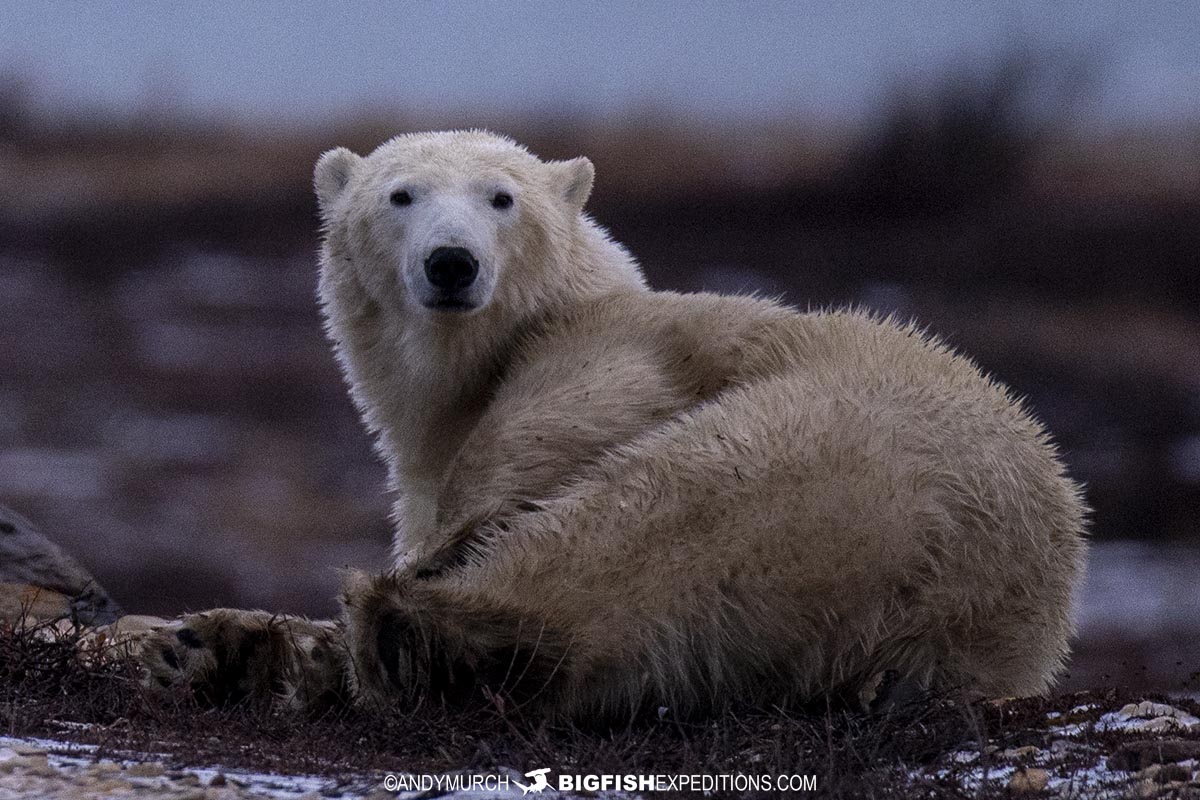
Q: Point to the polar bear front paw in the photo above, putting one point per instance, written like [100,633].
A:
[226,656]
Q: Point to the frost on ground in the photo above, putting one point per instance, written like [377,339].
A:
[1092,749]
[1142,749]
[52,769]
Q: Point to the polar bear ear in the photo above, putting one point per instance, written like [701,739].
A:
[574,180]
[334,170]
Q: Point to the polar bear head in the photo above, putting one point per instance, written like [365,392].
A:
[446,225]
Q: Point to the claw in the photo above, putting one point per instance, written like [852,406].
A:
[226,656]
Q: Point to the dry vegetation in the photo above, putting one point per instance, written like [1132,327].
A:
[47,690]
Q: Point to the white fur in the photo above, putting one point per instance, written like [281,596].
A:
[691,497]
[419,376]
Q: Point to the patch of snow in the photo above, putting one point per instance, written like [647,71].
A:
[77,764]
[1148,717]
[1062,760]
[70,758]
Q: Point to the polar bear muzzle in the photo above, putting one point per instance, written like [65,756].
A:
[451,271]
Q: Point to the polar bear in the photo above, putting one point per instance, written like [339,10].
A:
[610,498]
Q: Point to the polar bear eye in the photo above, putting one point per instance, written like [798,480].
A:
[502,200]
[401,198]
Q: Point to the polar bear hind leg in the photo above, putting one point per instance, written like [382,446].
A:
[791,559]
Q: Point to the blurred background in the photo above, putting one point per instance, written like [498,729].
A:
[1023,178]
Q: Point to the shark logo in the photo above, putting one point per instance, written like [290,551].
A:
[539,781]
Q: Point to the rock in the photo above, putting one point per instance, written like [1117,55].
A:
[1166,724]
[1016,753]
[1165,773]
[191,794]
[1139,755]
[104,768]
[148,769]
[21,601]
[1152,788]
[107,786]
[31,563]
[1146,788]
[1148,717]
[11,761]
[1029,780]
[1147,709]
[40,766]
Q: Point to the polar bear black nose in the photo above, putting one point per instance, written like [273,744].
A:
[451,268]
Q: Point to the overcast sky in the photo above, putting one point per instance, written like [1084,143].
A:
[833,60]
